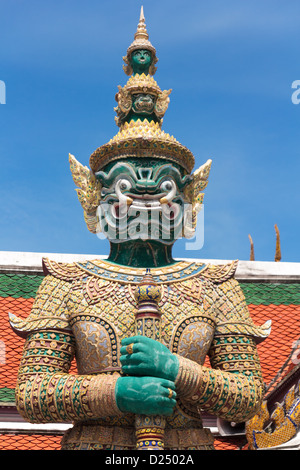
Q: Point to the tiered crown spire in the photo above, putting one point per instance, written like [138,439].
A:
[141,42]
[141,34]
[141,107]
[140,110]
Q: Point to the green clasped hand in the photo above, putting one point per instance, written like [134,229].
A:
[151,370]
[145,395]
[148,357]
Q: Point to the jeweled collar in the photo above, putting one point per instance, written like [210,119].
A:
[176,272]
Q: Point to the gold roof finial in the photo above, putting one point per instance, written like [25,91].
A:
[141,41]
[252,257]
[278,247]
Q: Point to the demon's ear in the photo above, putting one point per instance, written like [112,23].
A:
[194,196]
[193,191]
[88,191]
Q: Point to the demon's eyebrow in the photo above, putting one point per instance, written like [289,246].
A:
[107,178]
[170,170]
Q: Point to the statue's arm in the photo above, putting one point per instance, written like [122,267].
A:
[46,391]
[232,388]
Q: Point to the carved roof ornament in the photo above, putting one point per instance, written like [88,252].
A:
[252,255]
[278,246]
[264,431]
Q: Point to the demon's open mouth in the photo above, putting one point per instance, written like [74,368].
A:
[130,204]
[170,210]
[144,216]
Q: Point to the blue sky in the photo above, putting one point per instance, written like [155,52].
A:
[230,65]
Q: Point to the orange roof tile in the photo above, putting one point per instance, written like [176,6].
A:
[225,443]
[275,350]
[29,442]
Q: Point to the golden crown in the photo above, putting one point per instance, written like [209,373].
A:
[142,139]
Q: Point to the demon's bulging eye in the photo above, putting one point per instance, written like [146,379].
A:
[167,185]
[124,185]
[121,186]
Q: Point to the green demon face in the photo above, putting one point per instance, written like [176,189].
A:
[140,61]
[142,199]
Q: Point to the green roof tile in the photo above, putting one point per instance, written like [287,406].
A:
[7,395]
[267,293]
[19,285]
[26,286]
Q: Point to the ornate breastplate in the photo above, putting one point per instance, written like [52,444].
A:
[95,300]
[102,311]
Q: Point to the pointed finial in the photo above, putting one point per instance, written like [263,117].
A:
[141,42]
[278,248]
[252,257]
[142,16]
[141,32]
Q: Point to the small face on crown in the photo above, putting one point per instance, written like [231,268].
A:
[143,104]
[140,61]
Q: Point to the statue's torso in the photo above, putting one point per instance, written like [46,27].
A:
[102,313]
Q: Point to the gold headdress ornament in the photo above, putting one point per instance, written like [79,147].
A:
[141,84]
[141,41]
[141,138]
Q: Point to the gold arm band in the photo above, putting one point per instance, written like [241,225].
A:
[101,395]
[188,378]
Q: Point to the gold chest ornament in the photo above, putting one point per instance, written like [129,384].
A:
[102,313]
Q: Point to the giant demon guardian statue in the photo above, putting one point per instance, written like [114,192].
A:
[140,337]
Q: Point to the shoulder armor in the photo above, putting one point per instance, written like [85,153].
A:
[218,273]
[23,326]
[49,310]
[63,271]
[233,315]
